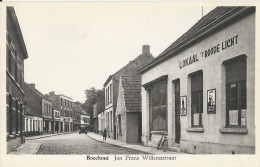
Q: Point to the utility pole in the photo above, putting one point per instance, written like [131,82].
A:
[202,10]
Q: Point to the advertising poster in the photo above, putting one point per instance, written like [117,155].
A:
[211,101]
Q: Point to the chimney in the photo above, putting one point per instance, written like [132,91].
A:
[52,93]
[32,85]
[146,49]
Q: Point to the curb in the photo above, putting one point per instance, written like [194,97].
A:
[118,145]
[39,137]
[37,149]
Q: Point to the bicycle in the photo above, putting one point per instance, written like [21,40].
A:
[163,142]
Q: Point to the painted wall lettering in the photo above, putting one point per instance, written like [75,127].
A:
[210,51]
[230,42]
[189,61]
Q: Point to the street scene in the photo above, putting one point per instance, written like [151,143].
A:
[79,83]
[78,144]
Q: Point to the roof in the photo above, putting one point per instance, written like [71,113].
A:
[30,112]
[205,25]
[132,92]
[34,89]
[138,62]
[18,33]
[37,92]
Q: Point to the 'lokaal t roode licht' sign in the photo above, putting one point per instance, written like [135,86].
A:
[210,51]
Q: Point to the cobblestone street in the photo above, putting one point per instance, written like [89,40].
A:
[78,144]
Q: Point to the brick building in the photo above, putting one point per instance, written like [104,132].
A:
[16,53]
[112,84]
[205,101]
[63,104]
[33,111]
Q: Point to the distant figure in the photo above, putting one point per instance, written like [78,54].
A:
[105,134]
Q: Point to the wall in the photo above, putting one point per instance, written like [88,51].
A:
[33,100]
[211,140]
[38,126]
[124,134]
[14,85]
[132,127]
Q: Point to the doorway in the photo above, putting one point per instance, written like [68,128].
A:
[177,111]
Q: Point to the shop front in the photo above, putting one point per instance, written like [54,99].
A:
[202,96]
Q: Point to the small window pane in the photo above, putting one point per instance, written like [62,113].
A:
[196,118]
[233,117]
[243,117]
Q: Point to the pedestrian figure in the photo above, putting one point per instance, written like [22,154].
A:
[104,134]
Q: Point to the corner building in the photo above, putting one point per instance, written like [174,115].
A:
[201,89]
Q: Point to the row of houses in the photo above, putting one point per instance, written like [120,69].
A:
[200,91]
[51,113]
[28,111]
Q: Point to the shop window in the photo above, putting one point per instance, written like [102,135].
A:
[157,95]
[159,107]
[236,92]
[196,99]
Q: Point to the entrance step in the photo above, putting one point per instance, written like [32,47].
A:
[175,149]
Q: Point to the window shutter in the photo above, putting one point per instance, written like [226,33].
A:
[236,70]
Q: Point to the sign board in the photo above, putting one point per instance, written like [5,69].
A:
[183,106]
[211,101]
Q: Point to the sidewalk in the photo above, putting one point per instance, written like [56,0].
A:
[150,150]
[26,148]
[46,135]
[31,147]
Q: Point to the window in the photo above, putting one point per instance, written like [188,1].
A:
[110,93]
[157,96]
[8,39]
[30,125]
[108,101]
[111,123]
[10,114]
[119,124]
[196,98]
[9,60]
[16,72]
[236,93]
[26,125]
[106,97]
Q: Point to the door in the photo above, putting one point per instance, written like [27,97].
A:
[177,111]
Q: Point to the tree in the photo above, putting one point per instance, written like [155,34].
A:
[92,95]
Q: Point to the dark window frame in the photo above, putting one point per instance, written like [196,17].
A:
[120,124]
[237,83]
[149,87]
[199,93]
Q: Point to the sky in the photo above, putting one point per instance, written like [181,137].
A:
[75,46]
